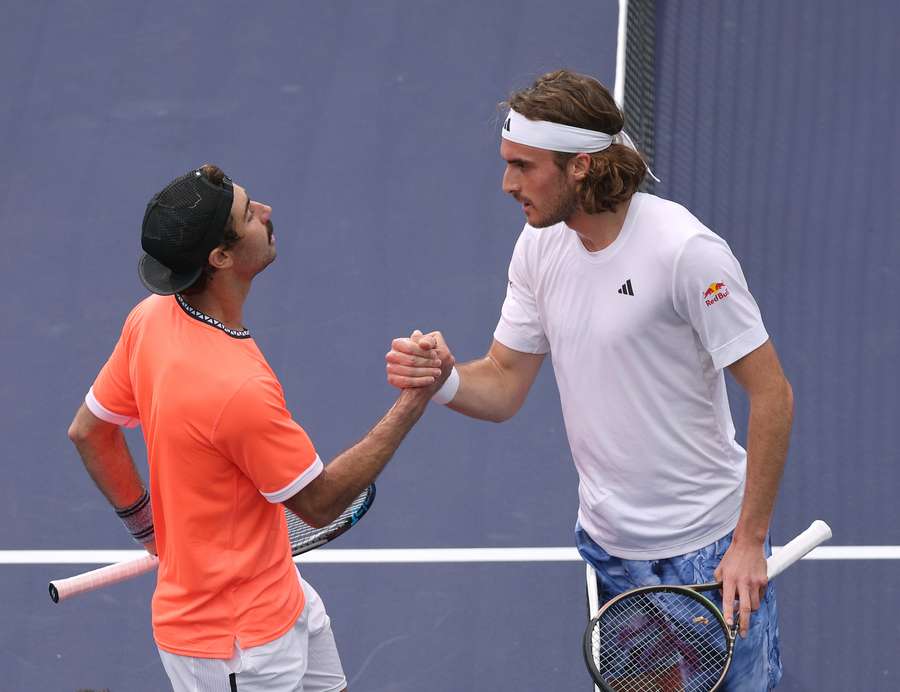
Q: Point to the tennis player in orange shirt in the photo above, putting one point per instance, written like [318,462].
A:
[230,611]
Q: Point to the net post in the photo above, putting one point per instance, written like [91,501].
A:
[635,76]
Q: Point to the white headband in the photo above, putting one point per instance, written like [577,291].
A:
[557,137]
[553,136]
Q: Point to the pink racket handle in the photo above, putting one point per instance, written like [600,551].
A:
[61,589]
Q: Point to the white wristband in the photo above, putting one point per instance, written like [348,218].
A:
[446,393]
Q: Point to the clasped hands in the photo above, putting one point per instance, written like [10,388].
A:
[420,360]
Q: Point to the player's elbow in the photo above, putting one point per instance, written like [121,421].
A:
[86,429]
[305,505]
[775,397]
[788,403]
[318,520]
[501,416]
[314,518]
[776,402]
[83,434]
[78,433]
[781,396]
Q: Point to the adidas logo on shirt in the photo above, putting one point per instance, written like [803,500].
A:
[626,289]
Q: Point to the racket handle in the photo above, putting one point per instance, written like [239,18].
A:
[818,532]
[61,589]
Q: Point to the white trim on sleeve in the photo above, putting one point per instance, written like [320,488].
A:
[296,485]
[739,347]
[105,414]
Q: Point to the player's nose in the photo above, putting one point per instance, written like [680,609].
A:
[510,182]
[264,211]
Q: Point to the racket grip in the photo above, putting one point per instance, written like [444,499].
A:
[818,532]
[61,589]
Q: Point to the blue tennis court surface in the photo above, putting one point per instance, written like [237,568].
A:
[372,130]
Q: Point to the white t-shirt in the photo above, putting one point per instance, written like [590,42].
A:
[639,334]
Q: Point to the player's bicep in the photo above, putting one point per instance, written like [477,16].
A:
[759,371]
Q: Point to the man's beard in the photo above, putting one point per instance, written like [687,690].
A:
[562,207]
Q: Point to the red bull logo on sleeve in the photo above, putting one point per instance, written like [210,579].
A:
[715,292]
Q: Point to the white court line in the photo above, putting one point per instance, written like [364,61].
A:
[331,556]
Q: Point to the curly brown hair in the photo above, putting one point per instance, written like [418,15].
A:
[229,236]
[574,99]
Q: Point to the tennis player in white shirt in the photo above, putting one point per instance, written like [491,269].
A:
[642,309]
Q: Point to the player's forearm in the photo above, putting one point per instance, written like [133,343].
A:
[109,463]
[768,436]
[350,472]
[486,391]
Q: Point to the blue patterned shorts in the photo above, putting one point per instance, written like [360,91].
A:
[756,664]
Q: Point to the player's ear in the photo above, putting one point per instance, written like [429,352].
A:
[220,258]
[580,166]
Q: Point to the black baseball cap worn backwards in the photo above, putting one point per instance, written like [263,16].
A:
[182,225]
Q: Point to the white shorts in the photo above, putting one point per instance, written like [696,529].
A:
[303,659]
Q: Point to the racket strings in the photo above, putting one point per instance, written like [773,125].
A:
[659,641]
[302,535]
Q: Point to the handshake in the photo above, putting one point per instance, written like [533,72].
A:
[421,361]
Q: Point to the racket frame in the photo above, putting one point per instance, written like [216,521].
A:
[593,595]
[817,533]
[692,591]
[335,529]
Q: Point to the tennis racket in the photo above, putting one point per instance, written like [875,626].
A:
[672,638]
[302,536]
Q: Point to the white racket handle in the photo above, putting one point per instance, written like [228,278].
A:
[818,532]
[61,589]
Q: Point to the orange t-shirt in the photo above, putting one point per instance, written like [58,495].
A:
[223,452]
